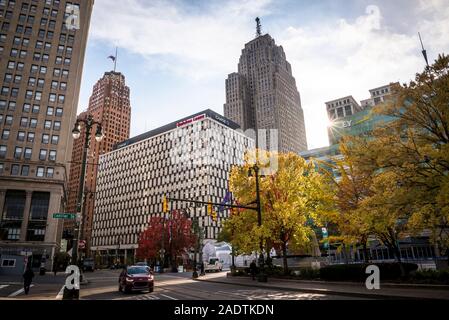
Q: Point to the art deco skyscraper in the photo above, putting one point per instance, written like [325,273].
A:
[263,94]
[110,105]
[42,46]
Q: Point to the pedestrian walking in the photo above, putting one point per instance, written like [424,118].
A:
[253,269]
[27,279]
[202,269]
[55,267]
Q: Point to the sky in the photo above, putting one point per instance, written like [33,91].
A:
[176,54]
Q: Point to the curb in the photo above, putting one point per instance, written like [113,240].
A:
[387,284]
[329,292]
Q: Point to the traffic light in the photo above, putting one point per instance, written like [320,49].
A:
[210,209]
[164,204]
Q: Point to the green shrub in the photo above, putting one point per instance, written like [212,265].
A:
[431,276]
[356,272]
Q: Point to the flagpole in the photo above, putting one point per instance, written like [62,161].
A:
[116,56]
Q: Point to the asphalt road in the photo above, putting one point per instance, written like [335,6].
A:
[103,285]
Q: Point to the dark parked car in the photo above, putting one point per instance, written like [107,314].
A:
[136,278]
[88,264]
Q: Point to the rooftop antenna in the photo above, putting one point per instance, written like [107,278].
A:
[424,52]
[258,27]
[114,58]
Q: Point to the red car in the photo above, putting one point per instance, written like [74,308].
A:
[136,278]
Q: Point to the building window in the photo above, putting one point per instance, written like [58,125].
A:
[33,123]
[47,124]
[55,139]
[40,172]
[14,205]
[26,107]
[39,205]
[52,155]
[43,155]
[10,263]
[15,169]
[21,136]
[50,111]
[50,172]
[54,85]
[45,138]
[36,108]
[8,120]
[5,134]
[25,171]
[61,98]
[31,136]
[2,152]
[28,153]
[18,152]
[59,112]
[52,97]
[12,105]
[57,125]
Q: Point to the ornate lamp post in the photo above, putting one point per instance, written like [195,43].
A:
[88,124]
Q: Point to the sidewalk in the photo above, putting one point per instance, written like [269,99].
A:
[387,291]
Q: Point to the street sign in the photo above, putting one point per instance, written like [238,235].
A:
[64,216]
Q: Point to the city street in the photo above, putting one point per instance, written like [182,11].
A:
[102,285]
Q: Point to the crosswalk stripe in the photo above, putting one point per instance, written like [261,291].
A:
[164,295]
[4,286]
[60,293]
[15,294]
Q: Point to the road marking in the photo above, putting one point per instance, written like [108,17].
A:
[164,295]
[4,286]
[15,294]
[60,293]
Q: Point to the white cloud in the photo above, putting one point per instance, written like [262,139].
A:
[197,45]
[330,59]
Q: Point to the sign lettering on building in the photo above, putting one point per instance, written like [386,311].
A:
[190,120]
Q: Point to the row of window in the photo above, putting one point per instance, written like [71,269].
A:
[33,82]
[24,171]
[27,153]
[19,66]
[46,138]
[32,122]
[37,56]
[27,108]
[30,94]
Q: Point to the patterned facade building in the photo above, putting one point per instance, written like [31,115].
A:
[42,47]
[109,104]
[188,159]
[263,95]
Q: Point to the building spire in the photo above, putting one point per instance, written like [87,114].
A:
[424,52]
[258,27]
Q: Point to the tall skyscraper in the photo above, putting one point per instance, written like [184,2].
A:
[263,94]
[42,46]
[109,104]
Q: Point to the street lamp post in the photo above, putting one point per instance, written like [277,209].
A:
[89,122]
[262,277]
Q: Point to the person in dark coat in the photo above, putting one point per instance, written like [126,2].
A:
[253,269]
[202,269]
[27,279]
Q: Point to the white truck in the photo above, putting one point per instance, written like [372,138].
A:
[213,265]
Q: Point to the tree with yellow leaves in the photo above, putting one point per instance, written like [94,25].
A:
[292,197]
[408,161]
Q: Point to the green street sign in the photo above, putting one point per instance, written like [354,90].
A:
[64,216]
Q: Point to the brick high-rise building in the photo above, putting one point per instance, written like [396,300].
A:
[110,105]
[42,47]
[263,94]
